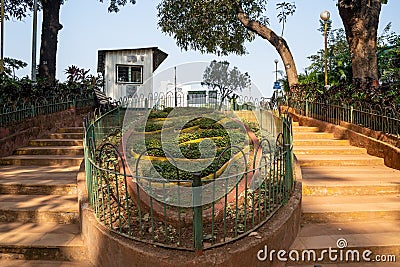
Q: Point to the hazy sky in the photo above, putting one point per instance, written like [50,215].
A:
[88,27]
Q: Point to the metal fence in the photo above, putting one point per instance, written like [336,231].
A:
[376,117]
[125,201]
[13,115]
[181,99]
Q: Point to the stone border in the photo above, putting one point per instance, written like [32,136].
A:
[376,143]
[106,248]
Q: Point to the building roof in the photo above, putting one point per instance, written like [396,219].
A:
[158,56]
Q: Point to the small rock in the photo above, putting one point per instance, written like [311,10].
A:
[206,244]
[208,237]
[253,234]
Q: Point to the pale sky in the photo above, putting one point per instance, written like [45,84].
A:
[88,27]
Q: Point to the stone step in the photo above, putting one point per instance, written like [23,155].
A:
[304,129]
[350,180]
[41,160]
[44,241]
[295,123]
[53,187]
[12,262]
[38,180]
[329,150]
[39,208]
[56,142]
[50,150]
[320,142]
[381,238]
[312,135]
[65,136]
[339,160]
[324,209]
[71,130]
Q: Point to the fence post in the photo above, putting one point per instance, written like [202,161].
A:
[306,108]
[351,114]
[32,111]
[287,139]
[197,214]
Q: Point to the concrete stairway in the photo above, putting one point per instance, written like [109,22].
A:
[39,211]
[347,194]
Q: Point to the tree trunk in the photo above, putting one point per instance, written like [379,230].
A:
[360,19]
[278,42]
[48,48]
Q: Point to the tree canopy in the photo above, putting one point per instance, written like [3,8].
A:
[209,26]
[222,27]
[217,76]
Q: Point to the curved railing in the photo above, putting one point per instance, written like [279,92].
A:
[125,202]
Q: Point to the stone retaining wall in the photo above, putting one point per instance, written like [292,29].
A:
[15,136]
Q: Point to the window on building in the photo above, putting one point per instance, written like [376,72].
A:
[129,74]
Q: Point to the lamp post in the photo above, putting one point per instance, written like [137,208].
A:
[2,38]
[34,41]
[176,97]
[325,15]
[277,85]
[276,70]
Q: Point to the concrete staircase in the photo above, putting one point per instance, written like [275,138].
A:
[39,213]
[347,194]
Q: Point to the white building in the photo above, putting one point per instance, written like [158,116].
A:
[125,69]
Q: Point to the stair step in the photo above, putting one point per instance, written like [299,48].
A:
[329,150]
[41,160]
[382,238]
[50,188]
[56,142]
[50,150]
[350,180]
[305,129]
[339,160]
[39,208]
[295,123]
[12,262]
[321,142]
[65,136]
[71,130]
[44,241]
[323,209]
[38,180]
[312,135]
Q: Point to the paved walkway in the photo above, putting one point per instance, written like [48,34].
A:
[39,211]
[347,194]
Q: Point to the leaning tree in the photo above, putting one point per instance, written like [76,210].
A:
[223,27]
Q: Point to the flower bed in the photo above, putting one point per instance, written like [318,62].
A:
[200,141]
